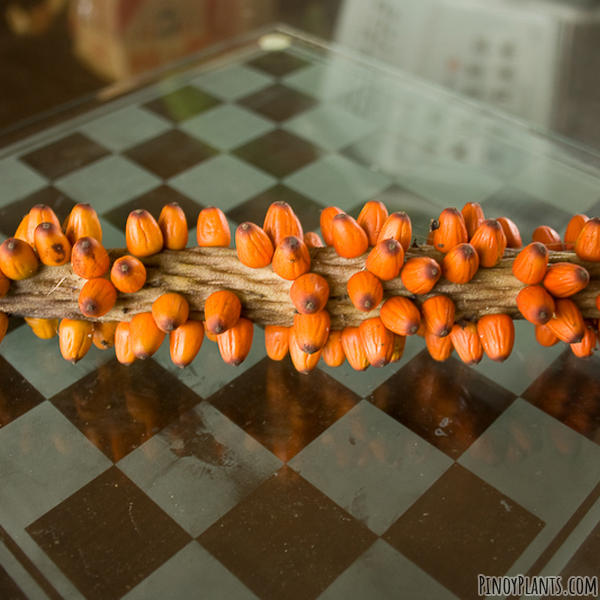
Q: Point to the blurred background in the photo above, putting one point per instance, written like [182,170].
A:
[536,59]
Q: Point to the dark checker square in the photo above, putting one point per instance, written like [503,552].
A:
[17,396]
[448,404]
[279,153]
[182,104]
[11,215]
[569,390]
[281,408]
[9,589]
[287,539]
[108,536]
[278,102]
[154,201]
[278,63]
[65,156]
[118,408]
[454,536]
[170,153]
[255,209]
[526,211]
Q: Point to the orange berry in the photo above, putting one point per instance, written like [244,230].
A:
[173,226]
[222,311]
[291,258]
[277,341]
[466,342]
[75,339]
[420,274]
[211,336]
[170,311]
[386,259]
[253,246]
[281,222]
[544,335]
[302,361]
[587,246]
[440,348]
[21,233]
[451,230]
[37,215]
[312,240]
[17,259]
[103,336]
[497,336]
[401,316]
[128,274]
[473,215]
[460,264]
[235,343]
[377,341]
[535,304]
[371,218]
[212,229]
[397,227]
[531,263]
[89,259]
[326,222]
[438,315]
[547,236]
[511,232]
[311,331]
[144,335]
[489,242]
[52,247]
[349,238]
[354,349]
[567,323]
[565,279]
[83,221]
[574,228]
[587,346]
[431,235]
[398,351]
[365,291]
[123,349]
[309,293]
[142,234]
[97,297]
[185,342]
[4,284]
[333,352]
[45,329]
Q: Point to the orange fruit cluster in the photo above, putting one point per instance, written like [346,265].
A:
[467,240]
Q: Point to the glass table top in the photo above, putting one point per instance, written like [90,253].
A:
[407,481]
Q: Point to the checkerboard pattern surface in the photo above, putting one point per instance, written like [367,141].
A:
[256,482]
